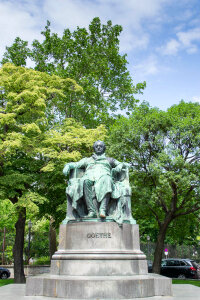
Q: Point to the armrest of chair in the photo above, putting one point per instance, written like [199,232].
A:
[122,176]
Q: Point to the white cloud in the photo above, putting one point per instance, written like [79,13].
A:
[196,99]
[192,49]
[130,41]
[150,66]
[18,19]
[185,40]
[80,12]
[171,47]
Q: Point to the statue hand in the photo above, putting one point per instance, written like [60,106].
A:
[127,165]
[118,168]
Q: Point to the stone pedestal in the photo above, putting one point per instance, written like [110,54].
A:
[99,260]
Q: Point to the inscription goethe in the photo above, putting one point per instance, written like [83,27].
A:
[104,235]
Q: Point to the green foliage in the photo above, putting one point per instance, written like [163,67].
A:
[7,215]
[8,219]
[24,96]
[33,151]
[9,254]
[39,236]
[163,148]
[17,53]
[91,57]
[43,260]
[188,234]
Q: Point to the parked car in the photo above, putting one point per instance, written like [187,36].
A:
[196,266]
[4,273]
[180,268]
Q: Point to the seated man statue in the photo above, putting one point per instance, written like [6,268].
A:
[97,181]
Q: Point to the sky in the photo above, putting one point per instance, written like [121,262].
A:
[161,38]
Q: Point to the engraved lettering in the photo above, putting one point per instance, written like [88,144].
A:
[97,235]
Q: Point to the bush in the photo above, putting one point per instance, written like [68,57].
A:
[43,260]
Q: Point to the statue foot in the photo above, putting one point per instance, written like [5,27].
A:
[91,214]
[102,214]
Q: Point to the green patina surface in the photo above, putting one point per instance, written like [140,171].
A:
[101,190]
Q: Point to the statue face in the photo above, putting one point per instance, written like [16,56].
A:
[99,147]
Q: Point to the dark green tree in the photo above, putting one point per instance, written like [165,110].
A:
[17,53]
[163,148]
[178,234]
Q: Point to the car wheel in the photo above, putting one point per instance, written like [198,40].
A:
[4,276]
[181,276]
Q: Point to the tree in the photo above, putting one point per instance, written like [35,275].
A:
[38,249]
[17,53]
[187,234]
[92,58]
[7,222]
[163,148]
[25,95]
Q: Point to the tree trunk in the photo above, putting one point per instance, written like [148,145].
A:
[160,244]
[18,248]
[52,238]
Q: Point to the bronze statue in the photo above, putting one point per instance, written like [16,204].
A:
[97,188]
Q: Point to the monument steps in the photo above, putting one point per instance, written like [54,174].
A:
[103,287]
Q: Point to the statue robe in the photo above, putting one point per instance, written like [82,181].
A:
[98,169]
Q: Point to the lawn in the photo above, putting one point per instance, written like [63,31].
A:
[6,281]
[186,281]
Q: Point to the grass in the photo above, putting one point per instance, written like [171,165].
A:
[186,281]
[6,281]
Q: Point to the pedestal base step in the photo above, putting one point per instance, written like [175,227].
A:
[99,267]
[99,287]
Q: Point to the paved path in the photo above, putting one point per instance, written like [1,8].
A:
[180,292]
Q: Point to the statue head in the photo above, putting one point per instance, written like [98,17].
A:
[99,147]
